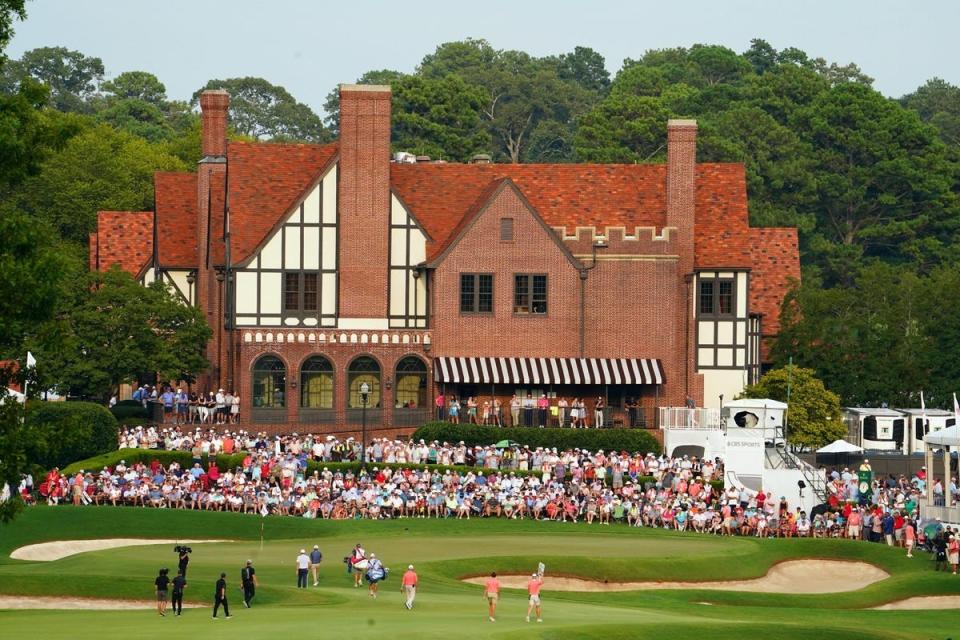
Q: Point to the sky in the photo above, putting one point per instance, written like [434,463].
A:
[311,46]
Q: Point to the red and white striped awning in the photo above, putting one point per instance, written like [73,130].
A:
[540,371]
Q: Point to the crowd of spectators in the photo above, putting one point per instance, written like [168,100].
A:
[633,489]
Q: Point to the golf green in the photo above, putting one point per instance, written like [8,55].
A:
[443,552]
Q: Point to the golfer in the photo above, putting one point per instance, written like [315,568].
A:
[161,583]
[315,558]
[408,586]
[220,597]
[303,563]
[491,591]
[248,579]
[375,573]
[533,590]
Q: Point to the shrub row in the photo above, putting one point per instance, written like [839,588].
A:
[631,440]
[67,431]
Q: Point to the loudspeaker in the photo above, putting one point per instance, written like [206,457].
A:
[801,484]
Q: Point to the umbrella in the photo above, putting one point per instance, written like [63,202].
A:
[840,446]
[505,444]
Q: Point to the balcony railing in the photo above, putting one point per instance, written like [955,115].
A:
[269,415]
[411,417]
[317,416]
[374,416]
[700,418]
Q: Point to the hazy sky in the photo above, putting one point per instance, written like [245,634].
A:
[310,47]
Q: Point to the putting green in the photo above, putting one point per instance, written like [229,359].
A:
[444,552]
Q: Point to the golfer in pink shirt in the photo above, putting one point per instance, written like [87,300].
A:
[533,590]
[491,592]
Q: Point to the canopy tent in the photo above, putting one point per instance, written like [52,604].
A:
[949,437]
[840,446]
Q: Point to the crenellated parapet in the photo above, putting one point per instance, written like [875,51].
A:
[619,242]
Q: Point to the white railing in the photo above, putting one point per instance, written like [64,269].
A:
[699,418]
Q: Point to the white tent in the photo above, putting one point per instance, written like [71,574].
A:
[840,446]
[949,437]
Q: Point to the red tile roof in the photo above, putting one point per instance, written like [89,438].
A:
[176,202]
[776,264]
[265,181]
[124,238]
[572,195]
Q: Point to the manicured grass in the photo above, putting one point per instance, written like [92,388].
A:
[443,552]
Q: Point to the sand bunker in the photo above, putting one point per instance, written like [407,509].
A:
[46,602]
[795,577]
[48,551]
[922,602]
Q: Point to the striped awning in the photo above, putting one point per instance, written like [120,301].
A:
[547,370]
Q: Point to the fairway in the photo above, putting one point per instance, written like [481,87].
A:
[444,552]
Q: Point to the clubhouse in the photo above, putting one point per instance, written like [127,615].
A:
[324,267]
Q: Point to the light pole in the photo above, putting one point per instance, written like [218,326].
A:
[364,394]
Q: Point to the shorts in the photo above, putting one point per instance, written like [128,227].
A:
[853,531]
[181,408]
[534,600]
[161,596]
[493,597]
[168,409]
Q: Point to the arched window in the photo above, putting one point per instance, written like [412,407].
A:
[316,383]
[269,383]
[364,369]
[411,383]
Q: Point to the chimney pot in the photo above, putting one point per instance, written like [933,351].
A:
[423,158]
[480,158]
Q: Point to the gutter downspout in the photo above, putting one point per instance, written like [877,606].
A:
[583,309]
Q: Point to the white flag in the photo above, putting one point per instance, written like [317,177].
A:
[264,511]
[31,361]
[923,414]
[956,407]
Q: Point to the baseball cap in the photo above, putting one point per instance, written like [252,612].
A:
[410,567]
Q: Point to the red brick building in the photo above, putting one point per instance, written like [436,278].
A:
[324,266]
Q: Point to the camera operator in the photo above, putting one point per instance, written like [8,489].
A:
[184,559]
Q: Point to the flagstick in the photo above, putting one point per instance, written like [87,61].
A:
[261,535]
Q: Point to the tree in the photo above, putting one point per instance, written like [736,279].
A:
[884,181]
[937,103]
[266,111]
[118,329]
[137,85]
[623,128]
[10,10]
[98,169]
[520,92]
[439,118]
[584,66]
[72,77]
[813,416]
[867,339]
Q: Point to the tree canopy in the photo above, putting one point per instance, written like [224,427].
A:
[813,417]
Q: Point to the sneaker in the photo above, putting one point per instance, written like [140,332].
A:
[228,617]
[493,619]
[214,617]
[316,584]
[539,619]
[528,618]
[246,604]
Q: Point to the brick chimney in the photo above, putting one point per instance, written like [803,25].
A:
[364,201]
[681,185]
[213,107]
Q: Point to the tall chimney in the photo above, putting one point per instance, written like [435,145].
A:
[364,201]
[681,186]
[213,107]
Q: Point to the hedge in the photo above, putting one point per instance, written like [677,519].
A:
[67,431]
[631,440]
[126,409]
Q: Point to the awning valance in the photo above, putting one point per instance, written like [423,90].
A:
[546,371]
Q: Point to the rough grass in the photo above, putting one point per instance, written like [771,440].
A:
[445,551]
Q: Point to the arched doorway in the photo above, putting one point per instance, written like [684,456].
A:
[316,391]
[269,393]
[411,407]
